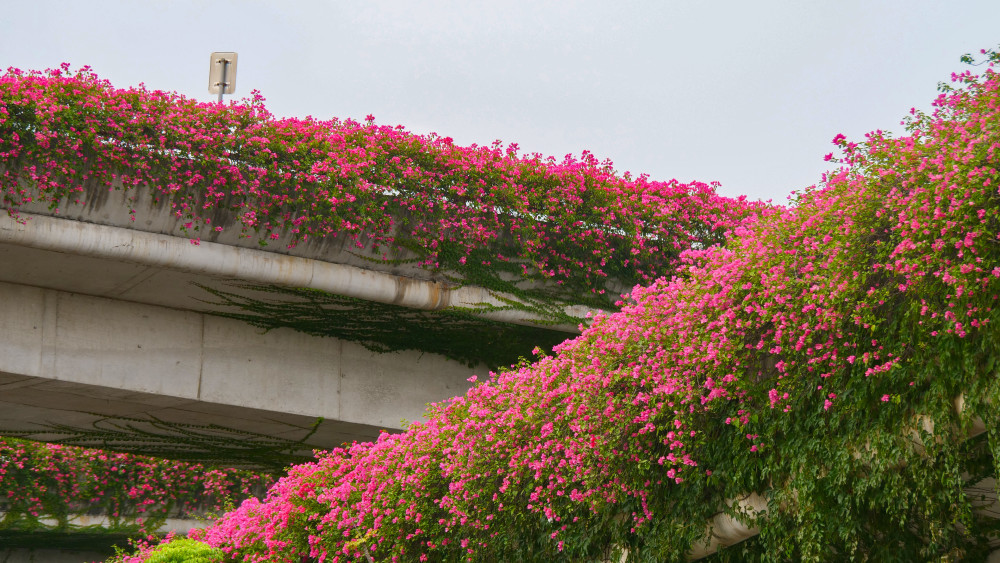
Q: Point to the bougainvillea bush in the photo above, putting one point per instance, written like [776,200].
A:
[814,359]
[544,231]
[43,486]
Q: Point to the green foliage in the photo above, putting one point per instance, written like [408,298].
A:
[185,551]
[989,55]
[864,478]
[815,360]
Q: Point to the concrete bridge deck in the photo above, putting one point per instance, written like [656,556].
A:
[103,317]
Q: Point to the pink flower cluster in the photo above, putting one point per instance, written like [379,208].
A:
[52,481]
[575,223]
[842,297]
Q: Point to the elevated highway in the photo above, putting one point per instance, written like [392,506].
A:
[113,329]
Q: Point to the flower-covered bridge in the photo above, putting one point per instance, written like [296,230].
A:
[175,271]
[813,382]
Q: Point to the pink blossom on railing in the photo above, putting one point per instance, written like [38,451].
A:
[574,222]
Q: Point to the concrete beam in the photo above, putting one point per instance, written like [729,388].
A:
[71,359]
[140,262]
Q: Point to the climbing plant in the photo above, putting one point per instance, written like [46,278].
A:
[454,333]
[544,232]
[832,357]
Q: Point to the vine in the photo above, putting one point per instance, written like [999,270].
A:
[815,360]
[454,333]
[546,233]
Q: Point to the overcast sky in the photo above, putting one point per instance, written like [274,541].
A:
[745,93]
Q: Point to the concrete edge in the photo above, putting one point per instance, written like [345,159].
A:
[176,525]
[256,266]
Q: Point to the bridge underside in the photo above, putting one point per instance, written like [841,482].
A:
[140,377]
[104,417]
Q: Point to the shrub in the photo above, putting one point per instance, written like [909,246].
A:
[184,551]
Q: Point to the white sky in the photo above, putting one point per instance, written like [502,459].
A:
[746,93]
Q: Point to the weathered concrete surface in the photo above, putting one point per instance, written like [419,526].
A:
[67,358]
[167,270]
[135,209]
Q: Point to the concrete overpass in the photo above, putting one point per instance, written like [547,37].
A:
[107,318]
